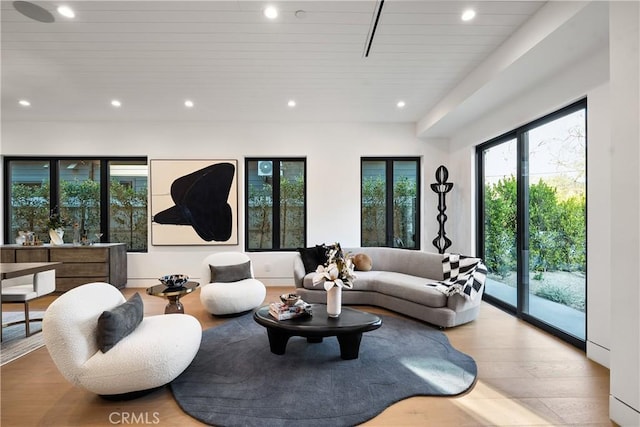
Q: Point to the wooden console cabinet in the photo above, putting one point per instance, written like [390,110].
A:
[102,262]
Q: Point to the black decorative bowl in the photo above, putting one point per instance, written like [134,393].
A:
[174,280]
[289,299]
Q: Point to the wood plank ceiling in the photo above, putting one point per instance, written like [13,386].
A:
[236,65]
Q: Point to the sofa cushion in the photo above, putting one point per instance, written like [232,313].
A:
[415,263]
[362,262]
[115,324]
[313,256]
[230,273]
[410,288]
[310,258]
[398,285]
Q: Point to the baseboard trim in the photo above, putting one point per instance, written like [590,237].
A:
[623,414]
[598,354]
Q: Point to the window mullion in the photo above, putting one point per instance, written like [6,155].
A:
[275,212]
[54,184]
[522,222]
[105,200]
[389,202]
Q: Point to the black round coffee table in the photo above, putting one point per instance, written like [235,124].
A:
[348,328]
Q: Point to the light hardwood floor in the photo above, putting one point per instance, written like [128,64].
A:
[526,377]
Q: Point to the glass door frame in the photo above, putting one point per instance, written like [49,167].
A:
[521,310]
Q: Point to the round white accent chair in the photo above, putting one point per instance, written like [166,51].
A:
[154,354]
[223,298]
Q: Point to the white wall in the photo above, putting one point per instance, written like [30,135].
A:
[624,23]
[598,219]
[333,152]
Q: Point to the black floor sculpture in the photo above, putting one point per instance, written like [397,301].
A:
[441,187]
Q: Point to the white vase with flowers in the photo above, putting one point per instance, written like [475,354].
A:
[336,273]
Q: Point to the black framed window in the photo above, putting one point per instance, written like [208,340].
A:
[104,199]
[532,221]
[275,203]
[390,202]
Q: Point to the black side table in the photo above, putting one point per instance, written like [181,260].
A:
[173,294]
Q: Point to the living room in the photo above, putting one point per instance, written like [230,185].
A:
[571,60]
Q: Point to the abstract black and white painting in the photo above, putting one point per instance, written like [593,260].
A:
[194,202]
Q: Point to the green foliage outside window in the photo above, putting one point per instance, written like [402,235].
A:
[404,209]
[556,229]
[30,208]
[374,205]
[80,201]
[291,213]
[260,207]
[128,216]
[374,211]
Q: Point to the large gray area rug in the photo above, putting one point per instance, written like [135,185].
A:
[235,380]
[14,343]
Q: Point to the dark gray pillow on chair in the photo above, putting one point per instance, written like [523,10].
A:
[119,322]
[230,273]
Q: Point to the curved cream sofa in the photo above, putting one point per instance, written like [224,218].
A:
[398,282]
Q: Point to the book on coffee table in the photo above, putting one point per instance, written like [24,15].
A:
[282,311]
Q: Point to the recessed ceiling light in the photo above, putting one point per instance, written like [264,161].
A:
[271,12]
[468,15]
[116,103]
[188,103]
[66,11]
[291,103]
[401,104]
[24,103]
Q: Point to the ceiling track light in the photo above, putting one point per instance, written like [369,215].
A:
[373,30]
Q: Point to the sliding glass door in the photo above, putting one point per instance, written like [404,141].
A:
[532,221]
[556,218]
[499,227]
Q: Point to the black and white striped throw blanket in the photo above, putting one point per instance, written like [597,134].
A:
[462,275]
